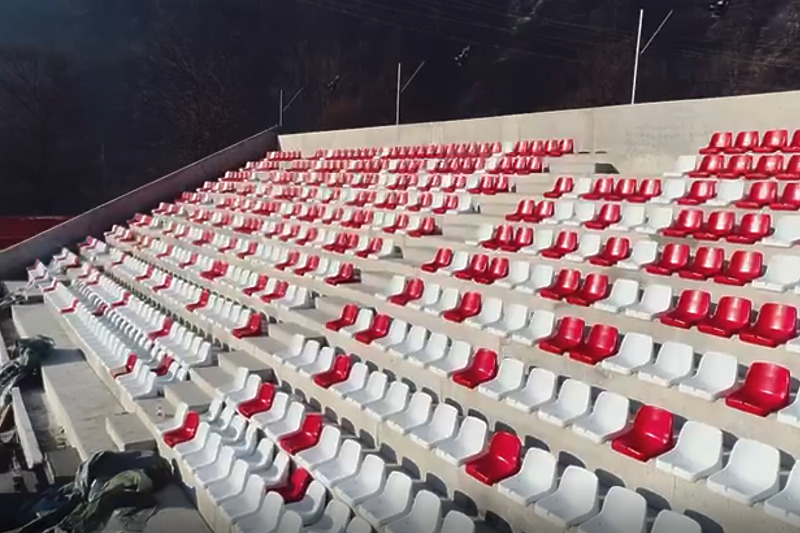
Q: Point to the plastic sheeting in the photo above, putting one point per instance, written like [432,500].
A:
[29,354]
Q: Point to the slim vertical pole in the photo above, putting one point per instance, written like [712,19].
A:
[397,103]
[636,60]
[280,110]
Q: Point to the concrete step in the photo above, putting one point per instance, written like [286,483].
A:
[330,306]
[128,432]
[231,361]
[282,332]
[209,379]
[578,166]
[189,392]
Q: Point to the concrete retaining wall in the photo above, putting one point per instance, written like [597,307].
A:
[101,218]
[642,139]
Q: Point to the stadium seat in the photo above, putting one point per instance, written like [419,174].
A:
[789,199]
[443,258]
[718,225]
[708,166]
[738,166]
[424,515]
[743,267]
[325,449]
[261,402]
[607,419]
[412,290]
[614,250]
[347,318]
[774,325]
[509,377]
[697,453]
[345,464]
[700,192]
[374,390]
[767,166]
[185,432]
[539,389]
[524,211]
[296,486]
[477,266]
[600,343]
[395,401]
[751,228]
[482,368]
[565,243]
[623,294]
[595,287]
[623,511]
[304,438]
[706,263]
[442,425]
[765,389]
[644,252]
[573,502]
[417,412]
[601,188]
[719,142]
[563,185]
[673,258]
[501,461]
[607,215]
[468,306]
[732,314]
[378,328]
[567,336]
[673,363]
[573,401]
[715,377]
[692,307]
[566,282]
[535,479]
[392,502]
[751,475]
[650,436]
[784,505]
[366,484]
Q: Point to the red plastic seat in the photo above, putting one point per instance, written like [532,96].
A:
[378,329]
[673,257]
[707,262]
[766,167]
[567,282]
[502,235]
[261,403]
[650,436]
[373,247]
[794,144]
[743,267]
[623,189]
[730,317]
[305,437]
[738,166]
[566,242]
[648,188]
[468,306]
[614,250]
[699,192]
[601,188]
[347,318]
[720,140]
[185,433]
[278,292]
[347,274]
[789,199]
[595,287]
[311,264]
[745,141]
[338,373]
[296,487]
[607,215]
[497,269]
[500,462]
[477,266]
[544,210]
[792,169]
[251,329]
[775,325]
[443,258]
[687,222]
[600,343]
[412,290]
[562,186]
[291,260]
[765,389]
[481,369]
[772,141]
[708,166]
[692,307]
[759,195]
[751,228]
[525,209]
[523,237]
[130,366]
[567,336]
[718,225]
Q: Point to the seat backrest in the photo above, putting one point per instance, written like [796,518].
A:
[653,423]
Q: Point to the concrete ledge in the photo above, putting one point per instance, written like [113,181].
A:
[27,437]
[128,432]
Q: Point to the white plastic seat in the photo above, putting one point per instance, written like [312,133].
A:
[266,518]
[633,216]
[491,311]
[459,262]
[397,334]
[236,383]
[441,426]
[565,211]
[715,376]
[672,522]
[786,504]
[176,421]
[607,419]
[456,358]
[623,511]
[413,342]
[751,475]
[247,392]
[425,516]
[244,504]
[288,424]
[539,389]
[435,348]
[262,456]
[334,519]
[588,246]
[246,446]
[295,347]
[658,218]
[535,479]
[540,326]
[368,482]
[624,293]
[363,321]
[656,299]
[448,299]
[728,191]
[483,233]
[356,381]
[358,525]
[791,413]
[392,502]
[278,471]
[467,444]
[235,431]
[416,413]
[375,389]
[196,444]
[644,252]
[311,505]
[307,356]
[343,466]
[697,453]
[573,502]
[673,363]
[430,294]
[786,234]
[584,212]
[395,286]
[326,449]
[541,276]
[782,273]
[457,522]
[280,403]
[519,272]
[513,320]
[219,469]
[395,401]
[510,377]
[322,363]
[206,456]
[231,485]
[573,400]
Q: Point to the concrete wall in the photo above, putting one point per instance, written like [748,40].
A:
[101,218]
[644,138]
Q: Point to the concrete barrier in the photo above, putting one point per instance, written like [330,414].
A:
[101,218]
[641,138]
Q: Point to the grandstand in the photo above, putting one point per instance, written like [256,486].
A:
[583,319]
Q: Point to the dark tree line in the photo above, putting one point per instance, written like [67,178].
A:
[98,97]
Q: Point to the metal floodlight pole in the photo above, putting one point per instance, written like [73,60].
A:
[280,109]
[636,59]
[397,100]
